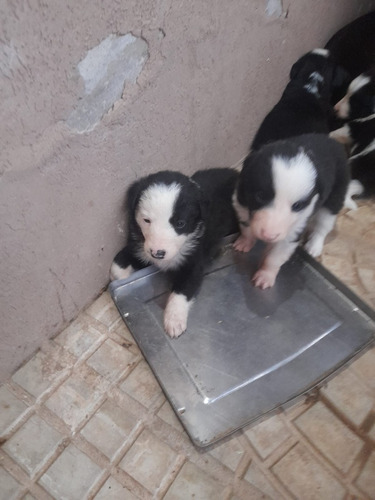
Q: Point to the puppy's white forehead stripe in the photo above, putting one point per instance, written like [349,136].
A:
[294,178]
[321,52]
[358,83]
[158,201]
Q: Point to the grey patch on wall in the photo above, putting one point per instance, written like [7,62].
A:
[274,8]
[105,70]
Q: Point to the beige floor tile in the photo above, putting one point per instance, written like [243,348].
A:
[71,475]
[32,444]
[10,408]
[39,373]
[148,460]
[349,395]
[9,487]
[305,478]
[192,482]
[168,415]
[256,478]
[104,310]
[364,367]
[75,399]
[268,435]
[327,433]
[366,480]
[109,428]
[79,336]
[141,384]
[228,453]
[110,360]
[113,490]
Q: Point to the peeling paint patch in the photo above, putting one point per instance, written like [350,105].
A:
[274,8]
[105,70]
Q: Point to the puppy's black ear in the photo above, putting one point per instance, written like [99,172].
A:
[204,206]
[133,194]
[296,68]
[340,77]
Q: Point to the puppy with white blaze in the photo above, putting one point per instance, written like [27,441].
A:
[282,188]
[176,223]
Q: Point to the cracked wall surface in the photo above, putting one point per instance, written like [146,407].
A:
[95,95]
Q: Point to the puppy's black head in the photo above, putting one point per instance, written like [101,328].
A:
[168,211]
[359,101]
[317,73]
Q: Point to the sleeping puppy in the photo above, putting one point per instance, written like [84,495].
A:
[359,137]
[359,100]
[283,187]
[305,105]
[176,223]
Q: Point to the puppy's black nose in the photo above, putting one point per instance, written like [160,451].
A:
[159,254]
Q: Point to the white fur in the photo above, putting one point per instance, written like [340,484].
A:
[294,179]
[275,256]
[342,108]
[355,188]
[365,151]
[314,79]
[323,224]
[156,205]
[342,135]
[176,314]
[118,273]
[321,52]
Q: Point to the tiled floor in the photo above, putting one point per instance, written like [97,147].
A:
[85,418]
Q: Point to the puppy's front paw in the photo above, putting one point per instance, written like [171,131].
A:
[176,314]
[243,244]
[264,278]
[120,273]
[314,246]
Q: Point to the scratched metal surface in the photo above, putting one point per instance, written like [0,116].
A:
[246,351]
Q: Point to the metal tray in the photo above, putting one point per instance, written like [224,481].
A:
[246,351]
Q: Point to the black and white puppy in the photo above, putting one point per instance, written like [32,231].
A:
[284,186]
[305,105]
[359,100]
[353,48]
[359,136]
[176,223]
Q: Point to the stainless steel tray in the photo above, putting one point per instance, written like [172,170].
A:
[246,351]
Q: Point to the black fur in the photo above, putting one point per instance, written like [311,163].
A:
[299,110]
[205,203]
[353,48]
[362,153]
[327,156]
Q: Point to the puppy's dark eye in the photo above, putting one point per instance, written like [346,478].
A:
[298,206]
[147,221]
[180,224]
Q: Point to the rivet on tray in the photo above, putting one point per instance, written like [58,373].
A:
[181,411]
[126,315]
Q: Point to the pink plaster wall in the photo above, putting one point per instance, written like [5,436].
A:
[214,69]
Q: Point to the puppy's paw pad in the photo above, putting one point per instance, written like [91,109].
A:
[264,278]
[242,244]
[314,247]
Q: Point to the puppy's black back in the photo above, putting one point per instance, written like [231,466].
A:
[217,185]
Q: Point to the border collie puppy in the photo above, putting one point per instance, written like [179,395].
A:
[359,137]
[176,223]
[359,100]
[305,105]
[284,186]
[353,48]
